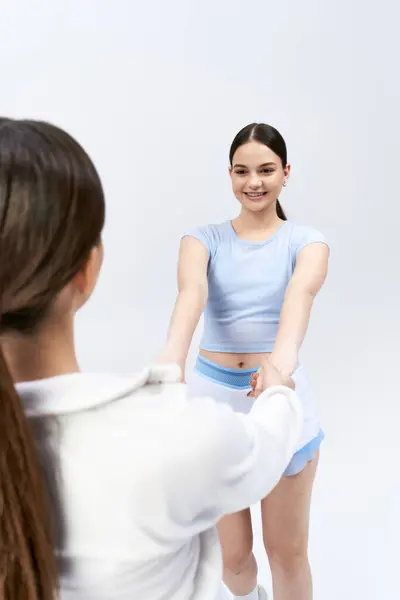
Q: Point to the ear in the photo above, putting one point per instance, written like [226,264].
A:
[287,170]
[86,278]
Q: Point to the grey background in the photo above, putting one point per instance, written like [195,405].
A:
[156,91]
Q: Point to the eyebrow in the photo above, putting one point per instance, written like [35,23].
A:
[268,164]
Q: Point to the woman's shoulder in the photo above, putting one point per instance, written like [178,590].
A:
[300,235]
[215,229]
[211,235]
[300,228]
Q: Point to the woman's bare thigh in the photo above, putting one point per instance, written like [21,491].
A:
[286,514]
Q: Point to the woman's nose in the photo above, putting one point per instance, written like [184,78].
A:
[255,181]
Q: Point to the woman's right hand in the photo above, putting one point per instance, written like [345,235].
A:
[268,376]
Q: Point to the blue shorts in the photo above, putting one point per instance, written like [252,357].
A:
[232,386]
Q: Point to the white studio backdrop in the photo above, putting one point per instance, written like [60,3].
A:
[155,92]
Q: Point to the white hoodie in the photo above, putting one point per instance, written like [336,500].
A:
[139,476]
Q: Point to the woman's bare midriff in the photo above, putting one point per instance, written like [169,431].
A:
[235,361]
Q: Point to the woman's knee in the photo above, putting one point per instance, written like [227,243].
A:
[290,557]
[236,538]
[239,561]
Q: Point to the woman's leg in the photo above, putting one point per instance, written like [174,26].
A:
[240,567]
[285,519]
[231,386]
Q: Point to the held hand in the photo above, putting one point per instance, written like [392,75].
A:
[268,376]
[168,357]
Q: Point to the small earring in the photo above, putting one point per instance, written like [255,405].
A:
[285,183]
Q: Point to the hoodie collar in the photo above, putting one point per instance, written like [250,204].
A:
[76,392]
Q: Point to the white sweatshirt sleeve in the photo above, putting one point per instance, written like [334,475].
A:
[255,449]
[223,462]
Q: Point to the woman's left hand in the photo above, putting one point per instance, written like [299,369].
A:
[268,376]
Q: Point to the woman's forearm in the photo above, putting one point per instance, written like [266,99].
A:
[308,277]
[188,309]
[294,320]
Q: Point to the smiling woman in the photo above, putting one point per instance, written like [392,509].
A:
[135,528]
[260,168]
[256,277]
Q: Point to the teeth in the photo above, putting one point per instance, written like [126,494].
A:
[255,195]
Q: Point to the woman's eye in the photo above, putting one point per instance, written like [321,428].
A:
[240,172]
[267,170]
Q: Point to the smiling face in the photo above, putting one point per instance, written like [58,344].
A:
[257,176]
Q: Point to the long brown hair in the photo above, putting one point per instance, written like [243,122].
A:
[51,216]
[270,137]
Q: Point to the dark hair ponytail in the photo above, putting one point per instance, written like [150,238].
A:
[280,212]
[51,217]
[270,137]
[27,564]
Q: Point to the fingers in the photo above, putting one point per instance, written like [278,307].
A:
[259,384]
[253,383]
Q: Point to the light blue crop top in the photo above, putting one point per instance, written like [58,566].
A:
[246,285]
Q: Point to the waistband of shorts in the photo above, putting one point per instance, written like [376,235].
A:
[234,378]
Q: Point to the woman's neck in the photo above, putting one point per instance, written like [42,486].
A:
[263,222]
[48,353]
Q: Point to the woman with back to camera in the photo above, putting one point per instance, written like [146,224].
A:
[256,277]
[122,499]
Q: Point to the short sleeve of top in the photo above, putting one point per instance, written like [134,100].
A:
[208,235]
[302,236]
